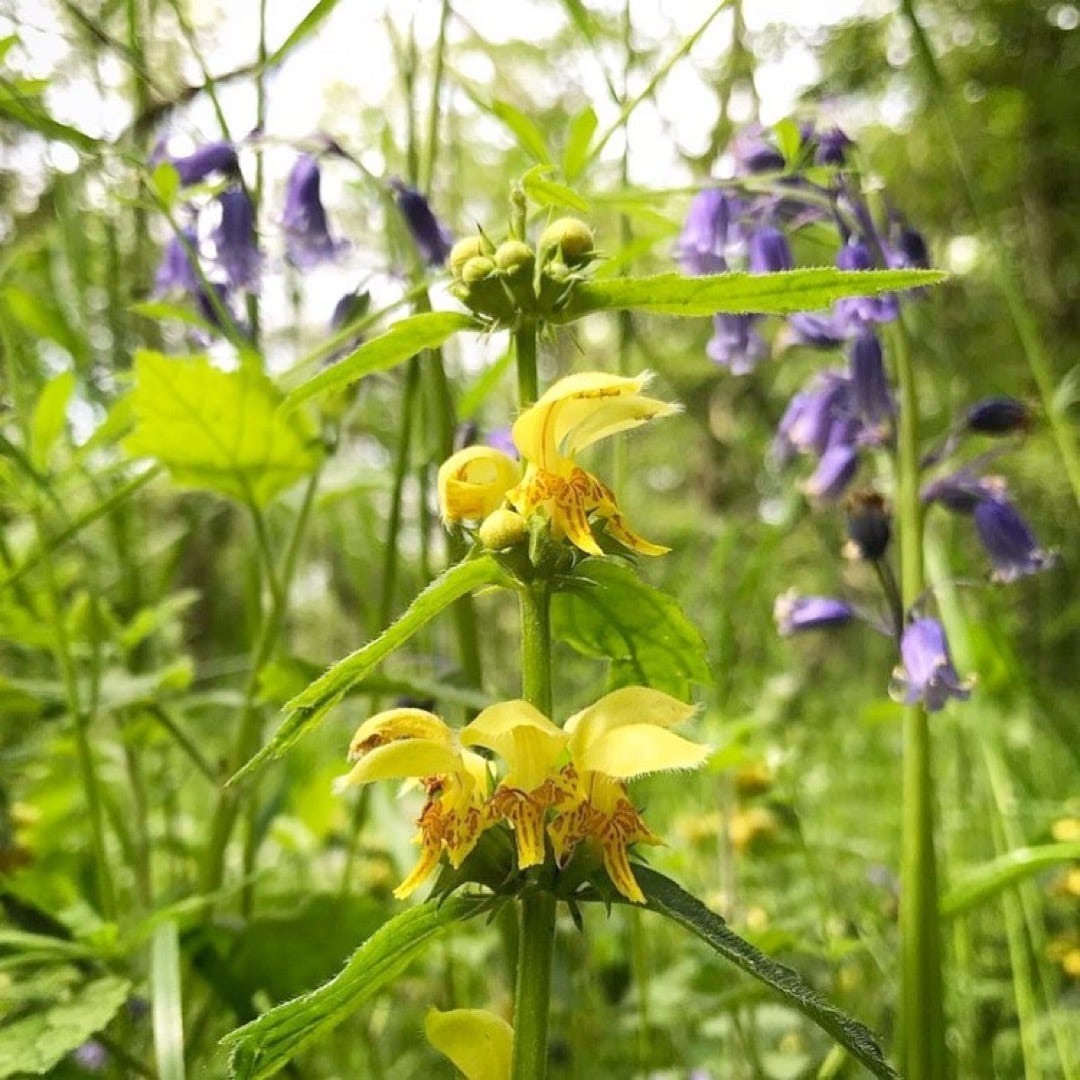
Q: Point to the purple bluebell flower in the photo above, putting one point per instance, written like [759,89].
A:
[907,249]
[176,272]
[307,233]
[868,526]
[735,343]
[794,613]
[855,255]
[808,420]
[927,673]
[215,314]
[871,393]
[1008,540]
[821,331]
[704,237]
[219,157]
[768,251]
[432,239]
[836,468]
[91,1055]
[502,440]
[753,154]
[962,490]
[997,416]
[832,147]
[235,241]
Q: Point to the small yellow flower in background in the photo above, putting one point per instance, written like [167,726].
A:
[480,1043]
[574,413]
[402,744]
[531,745]
[474,482]
[624,735]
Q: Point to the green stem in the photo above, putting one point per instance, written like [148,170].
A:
[922,1017]
[532,994]
[525,352]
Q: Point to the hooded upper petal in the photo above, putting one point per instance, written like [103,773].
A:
[474,482]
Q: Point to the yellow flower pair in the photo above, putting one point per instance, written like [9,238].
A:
[560,786]
[576,412]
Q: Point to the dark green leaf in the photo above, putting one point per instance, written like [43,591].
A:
[404,339]
[610,613]
[264,1046]
[666,898]
[1004,872]
[306,710]
[768,294]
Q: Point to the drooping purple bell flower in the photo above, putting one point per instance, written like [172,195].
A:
[832,147]
[794,613]
[808,421]
[704,237]
[176,272]
[502,439]
[855,255]
[836,468]
[735,343]
[962,490]
[753,154]
[215,157]
[220,313]
[872,395]
[307,234]
[820,331]
[927,673]
[1008,540]
[907,249]
[768,251]
[235,240]
[432,239]
[997,416]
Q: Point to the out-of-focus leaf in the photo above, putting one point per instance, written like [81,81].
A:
[610,613]
[1002,873]
[484,386]
[666,898]
[166,181]
[166,1002]
[19,108]
[579,135]
[266,1045]
[217,430]
[548,192]
[789,139]
[529,137]
[307,709]
[149,620]
[303,30]
[33,1044]
[404,339]
[49,417]
[783,293]
[41,318]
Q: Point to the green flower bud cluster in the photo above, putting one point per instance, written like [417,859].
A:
[513,281]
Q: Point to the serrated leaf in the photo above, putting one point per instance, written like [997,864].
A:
[305,711]
[33,1044]
[266,1045]
[578,137]
[1002,873]
[783,293]
[529,137]
[404,339]
[667,898]
[217,430]
[49,417]
[549,192]
[610,613]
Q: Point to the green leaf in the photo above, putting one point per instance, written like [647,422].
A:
[789,140]
[266,1045]
[49,417]
[610,613]
[579,135]
[768,294]
[217,430]
[167,1002]
[484,386]
[405,338]
[18,107]
[303,29]
[307,709]
[166,181]
[42,318]
[162,309]
[1002,873]
[35,1043]
[666,898]
[548,192]
[529,137]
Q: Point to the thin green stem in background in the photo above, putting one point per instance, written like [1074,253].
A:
[922,1013]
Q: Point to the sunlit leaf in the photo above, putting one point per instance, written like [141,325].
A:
[217,430]
[303,30]
[579,136]
[404,339]
[49,417]
[549,192]
[529,137]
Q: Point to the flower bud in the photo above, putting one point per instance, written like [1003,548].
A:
[868,526]
[502,529]
[476,269]
[514,256]
[573,238]
[473,483]
[467,249]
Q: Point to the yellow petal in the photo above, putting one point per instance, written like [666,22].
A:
[628,705]
[474,482]
[615,416]
[401,759]
[477,1041]
[522,736]
[393,724]
[526,815]
[617,865]
[429,859]
[637,749]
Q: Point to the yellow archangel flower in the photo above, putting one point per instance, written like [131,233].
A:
[479,1042]
[413,743]
[474,482]
[574,413]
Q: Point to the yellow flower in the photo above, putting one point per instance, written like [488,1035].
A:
[624,735]
[474,482]
[574,413]
[531,745]
[413,743]
[480,1043]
